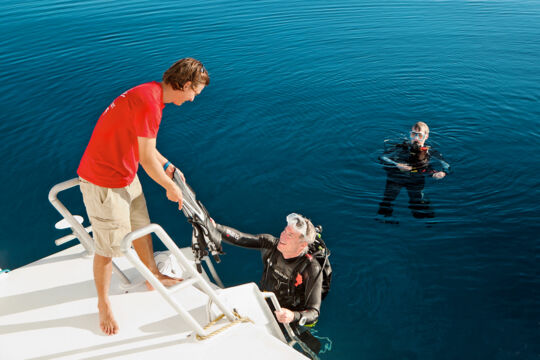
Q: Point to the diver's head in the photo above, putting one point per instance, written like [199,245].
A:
[419,133]
[296,236]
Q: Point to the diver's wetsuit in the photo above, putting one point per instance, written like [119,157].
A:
[420,159]
[300,293]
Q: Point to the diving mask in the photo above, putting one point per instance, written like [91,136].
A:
[298,222]
[417,135]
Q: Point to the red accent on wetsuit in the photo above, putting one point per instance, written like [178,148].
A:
[298,280]
[111,158]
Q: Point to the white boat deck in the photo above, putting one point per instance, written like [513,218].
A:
[48,310]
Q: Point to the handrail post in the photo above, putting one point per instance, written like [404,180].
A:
[290,332]
[78,229]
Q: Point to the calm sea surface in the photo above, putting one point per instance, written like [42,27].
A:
[302,96]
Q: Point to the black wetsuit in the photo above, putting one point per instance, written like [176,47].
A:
[300,293]
[421,161]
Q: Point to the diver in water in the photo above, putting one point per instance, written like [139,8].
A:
[290,271]
[407,165]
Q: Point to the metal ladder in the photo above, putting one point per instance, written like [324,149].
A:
[191,276]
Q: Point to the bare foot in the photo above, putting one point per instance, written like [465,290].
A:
[106,319]
[165,280]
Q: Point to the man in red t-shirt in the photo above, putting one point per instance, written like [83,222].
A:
[124,136]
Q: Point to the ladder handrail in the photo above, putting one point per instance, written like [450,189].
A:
[184,263]
[290,332]
[78,230]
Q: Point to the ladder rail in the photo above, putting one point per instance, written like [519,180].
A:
[290,332]
[132,256]
[270,295]
[78,230]
[187,267]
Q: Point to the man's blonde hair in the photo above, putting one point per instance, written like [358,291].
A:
[421,126]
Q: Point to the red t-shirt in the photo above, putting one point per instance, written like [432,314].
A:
[111,158]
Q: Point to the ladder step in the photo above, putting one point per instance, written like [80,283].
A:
[183,284]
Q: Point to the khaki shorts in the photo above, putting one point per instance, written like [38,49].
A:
[113,213]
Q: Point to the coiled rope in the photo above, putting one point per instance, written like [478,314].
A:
[239,319]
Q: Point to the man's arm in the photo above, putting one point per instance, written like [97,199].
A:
[445,166]
[391,151]
[313,294]
[237,238]
[162,159]
[170,169]
[150,160]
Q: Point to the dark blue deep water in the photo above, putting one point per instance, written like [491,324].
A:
[302,96]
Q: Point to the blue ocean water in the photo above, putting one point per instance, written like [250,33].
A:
[302,96]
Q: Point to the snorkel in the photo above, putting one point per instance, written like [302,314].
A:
[417,148]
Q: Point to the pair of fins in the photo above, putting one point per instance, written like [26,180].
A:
[205,236]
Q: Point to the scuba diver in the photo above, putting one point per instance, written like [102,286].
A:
[407,164]
[292,270]
[296,265]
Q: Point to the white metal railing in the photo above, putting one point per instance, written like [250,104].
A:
[191,275]
[292,336]
[79,232]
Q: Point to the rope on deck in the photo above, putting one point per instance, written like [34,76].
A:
[239,319]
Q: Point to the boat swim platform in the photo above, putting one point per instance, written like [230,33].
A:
[48,310]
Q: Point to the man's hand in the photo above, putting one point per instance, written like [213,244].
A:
[404,167]
[439,175]
[152,162]
[284,316]
[174,194]
[170,172]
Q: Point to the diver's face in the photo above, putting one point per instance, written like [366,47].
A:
[418,136]
[290,243]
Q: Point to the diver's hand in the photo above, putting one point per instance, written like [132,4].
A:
[439,175]
[284,315]
[175,194]
[404,167]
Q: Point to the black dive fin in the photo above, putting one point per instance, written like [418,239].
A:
[205,235]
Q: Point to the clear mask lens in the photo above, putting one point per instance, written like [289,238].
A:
[418,135]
